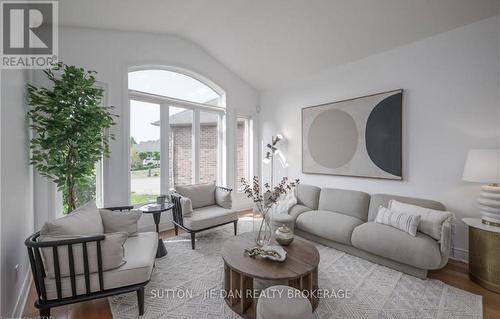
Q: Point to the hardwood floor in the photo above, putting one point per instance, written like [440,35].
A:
[454,274]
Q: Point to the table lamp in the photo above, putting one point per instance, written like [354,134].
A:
[483,166]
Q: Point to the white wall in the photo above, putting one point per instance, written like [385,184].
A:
[16,192]
[111,53]
[451,103]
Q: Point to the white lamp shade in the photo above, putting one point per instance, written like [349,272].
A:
[482,166]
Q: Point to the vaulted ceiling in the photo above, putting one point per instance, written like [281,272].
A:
[269,42]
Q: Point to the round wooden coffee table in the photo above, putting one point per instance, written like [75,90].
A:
[300,270]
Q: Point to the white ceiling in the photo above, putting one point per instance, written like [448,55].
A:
[269,42]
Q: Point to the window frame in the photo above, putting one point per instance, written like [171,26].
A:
[248,146]
[165,103]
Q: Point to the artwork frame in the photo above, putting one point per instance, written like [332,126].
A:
[368,131]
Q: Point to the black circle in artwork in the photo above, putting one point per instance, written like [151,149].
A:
[383,134]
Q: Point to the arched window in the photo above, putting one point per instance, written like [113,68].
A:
[175,85]
[176,132]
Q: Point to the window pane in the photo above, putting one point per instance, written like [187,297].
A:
[180,146]
[209,142]
[144,151]
[243,153]
[172,84]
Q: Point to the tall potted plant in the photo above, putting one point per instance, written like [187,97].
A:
[69,126]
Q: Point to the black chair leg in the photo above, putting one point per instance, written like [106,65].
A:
[193,238]
[44,313]
[140,300]
[235,228]
[176,229]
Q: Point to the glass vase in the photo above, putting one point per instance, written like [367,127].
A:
[262,228]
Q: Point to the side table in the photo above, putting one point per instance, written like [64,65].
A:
[484,254]
[156,210]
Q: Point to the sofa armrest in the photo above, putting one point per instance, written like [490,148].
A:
[182,207]
[446,241]
[38,269]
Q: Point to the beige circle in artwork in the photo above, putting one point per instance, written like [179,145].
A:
[333,138]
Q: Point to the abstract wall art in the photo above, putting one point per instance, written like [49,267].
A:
[356,137]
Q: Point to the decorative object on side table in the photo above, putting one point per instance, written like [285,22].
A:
[483,166]
[161,199]
[264,200]
[156,210]
[484,254]
[283,235]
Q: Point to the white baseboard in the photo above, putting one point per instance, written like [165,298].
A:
[23,296]
[460,254]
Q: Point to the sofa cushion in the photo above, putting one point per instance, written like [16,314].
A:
[347,202]
[378,200]
[85,220]
[140,254]
[124,221]
[329,225]
[298,209]
[307,195]
[404,222]
[111,250]
[431,220]
[201,195]
[421,251]
[209,216]
[223,197]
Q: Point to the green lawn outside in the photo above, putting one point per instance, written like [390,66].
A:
[141,198]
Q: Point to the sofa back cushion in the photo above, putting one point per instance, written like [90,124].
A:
[378,200]
[201,195]
[124,221]
[347,202]
[223,197]
[307,195]
[85,220]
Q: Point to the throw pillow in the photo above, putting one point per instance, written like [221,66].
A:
[223,197]
[125,221]
[201,195]
[111,250]
[431,221]
[405,222]
[186,206]
[286,202]
[85,220]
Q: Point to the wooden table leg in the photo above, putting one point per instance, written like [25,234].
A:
[235,285]
[246,284]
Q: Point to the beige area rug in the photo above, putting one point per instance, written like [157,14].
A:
[180,282]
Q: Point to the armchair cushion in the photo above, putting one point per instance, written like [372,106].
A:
[85,220]
[209,216]
[140,253]
[124,221]
[111,251]
[201,195]
[223,197]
